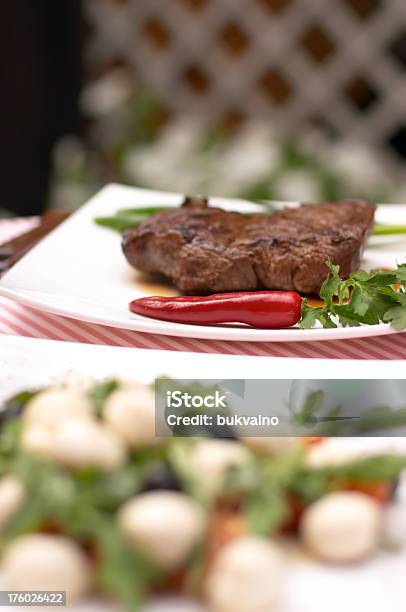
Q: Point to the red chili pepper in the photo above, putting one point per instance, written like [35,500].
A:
[265,309]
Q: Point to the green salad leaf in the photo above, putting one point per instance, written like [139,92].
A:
[100,392]
[267,504]
[121,572]
[311,483]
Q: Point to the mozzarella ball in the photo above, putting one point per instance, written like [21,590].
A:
[130,412]
[76,443]
[46,563]
[269,446]
[85,443]
[11,498]
[165,526]
[211,459]
[37,440]
[342,527]
[245,576]
[50,406]
[332,452]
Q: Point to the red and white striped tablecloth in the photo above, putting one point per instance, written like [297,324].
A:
[23,321]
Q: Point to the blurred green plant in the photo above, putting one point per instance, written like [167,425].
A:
[132,141]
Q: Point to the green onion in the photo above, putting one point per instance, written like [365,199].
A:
[147,211]
[386,230]
[120,224]
[126,218]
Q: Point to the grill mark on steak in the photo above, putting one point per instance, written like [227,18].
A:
[203,249]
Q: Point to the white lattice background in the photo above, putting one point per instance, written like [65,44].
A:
[338,64]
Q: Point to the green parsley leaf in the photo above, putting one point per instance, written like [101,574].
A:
[331,284]
[310,315]
[396,316]
[367,298]
[401,274]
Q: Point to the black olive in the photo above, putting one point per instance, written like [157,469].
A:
[394,488]
[221,432]
[14,407]
[10,411]
[160,476]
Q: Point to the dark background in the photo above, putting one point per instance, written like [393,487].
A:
[40,79]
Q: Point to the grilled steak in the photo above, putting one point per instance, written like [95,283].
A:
[206,250]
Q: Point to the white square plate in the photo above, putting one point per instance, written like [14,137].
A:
[79,271]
